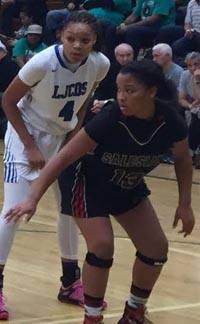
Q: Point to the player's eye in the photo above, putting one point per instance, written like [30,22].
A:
[130,91]
[70,39]
[85,41]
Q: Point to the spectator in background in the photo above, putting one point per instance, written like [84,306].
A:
[107,88]
[141,27]
[162,54]
[54,19]
[8,70]
[181,8]
[110,14]
[113,11]
[191,40]
[189,101]
[26,19]
[170,33]
[73,4]
[28,46]
[11,9]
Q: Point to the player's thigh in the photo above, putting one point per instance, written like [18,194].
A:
[15,193]
[98,233]
[143,227]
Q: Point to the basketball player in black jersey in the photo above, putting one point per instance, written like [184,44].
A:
[126,140]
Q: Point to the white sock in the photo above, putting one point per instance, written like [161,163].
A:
[92,311]
[135,301]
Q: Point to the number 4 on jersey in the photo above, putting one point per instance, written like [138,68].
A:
[67,111]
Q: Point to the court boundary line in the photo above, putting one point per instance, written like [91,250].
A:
[60,319]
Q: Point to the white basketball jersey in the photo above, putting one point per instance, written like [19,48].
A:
[57,93]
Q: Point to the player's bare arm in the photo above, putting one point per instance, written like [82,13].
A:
[76,148]
[183,169]
[11,97]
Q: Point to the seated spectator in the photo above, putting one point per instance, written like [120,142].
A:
[8,70]
[11,9]
[73,4]
[181,8]
[170,33]
[27,47]
[141,27]
[26,19]
[107,88]
[191,40]
[54,19]
[162,54]
[113,11]
[110,14]
[189,101]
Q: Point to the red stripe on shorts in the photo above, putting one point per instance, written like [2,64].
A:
[78,199]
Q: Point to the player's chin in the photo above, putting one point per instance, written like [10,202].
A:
[75,58]
[125,111]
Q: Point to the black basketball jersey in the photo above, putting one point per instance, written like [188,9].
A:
[128,147]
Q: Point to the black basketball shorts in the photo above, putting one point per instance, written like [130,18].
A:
[81,196]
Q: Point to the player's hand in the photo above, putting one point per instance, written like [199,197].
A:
[185,214]
[26,208]
[35,157]
[97,105]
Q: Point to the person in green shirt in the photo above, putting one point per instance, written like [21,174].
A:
[28,46]
[113,11]
[141,27]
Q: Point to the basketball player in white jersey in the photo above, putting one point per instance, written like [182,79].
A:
[44,103]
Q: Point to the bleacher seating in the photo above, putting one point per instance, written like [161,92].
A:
[54,4]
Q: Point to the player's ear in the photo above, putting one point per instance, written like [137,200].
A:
[94,41]
[153,92]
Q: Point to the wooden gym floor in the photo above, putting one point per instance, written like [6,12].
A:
[33,269]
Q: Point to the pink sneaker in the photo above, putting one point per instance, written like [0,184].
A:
[93,319]
[134,316]
[74,295]
[4,315]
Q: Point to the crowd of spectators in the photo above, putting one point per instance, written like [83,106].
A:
[167,29]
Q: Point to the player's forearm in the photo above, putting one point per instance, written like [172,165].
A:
[184,170]
[81,115]
[74,150]
[48,175]
[14,117]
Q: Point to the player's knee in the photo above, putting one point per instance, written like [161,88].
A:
[159,247]
[98,262]
[103,247]
[151,261]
